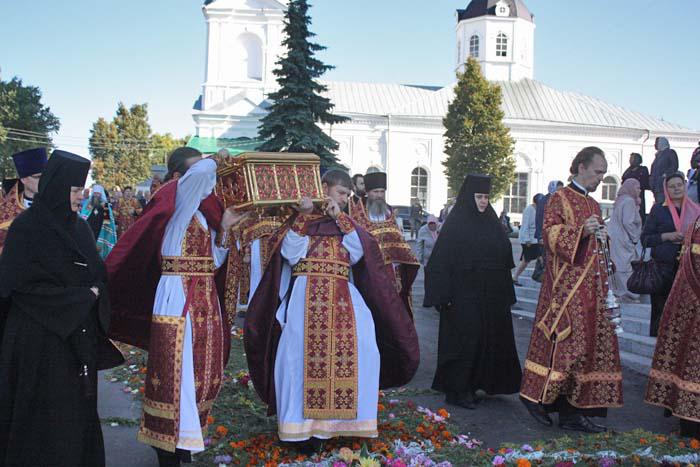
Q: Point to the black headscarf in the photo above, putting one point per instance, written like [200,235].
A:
[63,171]
[469,240]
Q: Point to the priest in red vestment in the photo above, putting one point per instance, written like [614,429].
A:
[375,216]
[166,299]
[326,328]
[674,378]
[573,363]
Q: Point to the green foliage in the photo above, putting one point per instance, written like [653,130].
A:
[291,125]
[124,149]
[25,122]
[163,145]
[476,140]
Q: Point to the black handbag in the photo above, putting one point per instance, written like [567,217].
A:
[646,277]
[539,270]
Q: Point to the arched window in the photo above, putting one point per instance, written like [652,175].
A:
[250,50]
[474,46]
[609,189]
[515,200]
[419,186]
[501,45]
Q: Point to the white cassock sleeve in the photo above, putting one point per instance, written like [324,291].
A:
[294,249]
[353,245]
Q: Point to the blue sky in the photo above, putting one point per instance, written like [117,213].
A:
[86,56]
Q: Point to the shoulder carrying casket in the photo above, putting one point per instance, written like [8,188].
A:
[264,179]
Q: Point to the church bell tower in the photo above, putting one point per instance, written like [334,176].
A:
[500,35]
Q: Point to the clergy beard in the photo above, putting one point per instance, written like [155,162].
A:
[377,208]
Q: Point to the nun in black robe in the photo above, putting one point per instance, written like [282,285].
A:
[468,281]
[53,340]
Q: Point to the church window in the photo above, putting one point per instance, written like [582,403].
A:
[515,200]
[609,189]
[250,54]
[501,45]
[474,46]
[419,186]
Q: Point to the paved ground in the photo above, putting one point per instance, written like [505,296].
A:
[497,419]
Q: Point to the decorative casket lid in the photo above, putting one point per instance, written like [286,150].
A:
[267,179]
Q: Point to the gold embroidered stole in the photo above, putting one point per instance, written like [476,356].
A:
[161,404]
[330,333]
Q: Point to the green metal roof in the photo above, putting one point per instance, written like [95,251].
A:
[234,146]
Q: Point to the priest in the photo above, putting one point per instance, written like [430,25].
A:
[165,300]
[18,194]
[573,363]
[377,217]
[326,329]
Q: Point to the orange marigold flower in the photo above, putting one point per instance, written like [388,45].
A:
[210,420]
[221,430]
[443,413]
[142,389]
[446,434]
[523,463]
[643,441]
[380,407]
[694,443]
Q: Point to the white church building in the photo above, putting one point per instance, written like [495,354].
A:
[398,128]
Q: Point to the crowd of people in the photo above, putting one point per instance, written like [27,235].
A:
[327,294]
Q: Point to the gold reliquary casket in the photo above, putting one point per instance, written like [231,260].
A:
[258,180]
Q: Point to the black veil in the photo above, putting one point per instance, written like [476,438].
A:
[468,240]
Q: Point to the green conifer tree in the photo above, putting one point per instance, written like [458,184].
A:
[291,125]
[476,140]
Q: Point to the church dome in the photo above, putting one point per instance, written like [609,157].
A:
[478,8]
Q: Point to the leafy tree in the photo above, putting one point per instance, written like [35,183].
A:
[476,140]
[121,149]
[25,122]
[163,145]
[291,125]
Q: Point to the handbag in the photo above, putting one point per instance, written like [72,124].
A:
[539,270]
[646,276]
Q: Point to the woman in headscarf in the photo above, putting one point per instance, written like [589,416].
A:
[640,173]
[97,211]
[427,236]
[53,341]
[664,232]
[625,229]
[468,281]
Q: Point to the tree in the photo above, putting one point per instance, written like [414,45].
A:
[291,124]
[163,145]
[25,122]
[121,149]
[476,140]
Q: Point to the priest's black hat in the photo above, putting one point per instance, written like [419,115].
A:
[375,180]
[30,162]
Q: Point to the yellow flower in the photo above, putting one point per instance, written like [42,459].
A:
[346,455]
[367,462]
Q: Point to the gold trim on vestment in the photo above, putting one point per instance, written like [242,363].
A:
[328,429]
[315,267]
[188,266]
[670,378]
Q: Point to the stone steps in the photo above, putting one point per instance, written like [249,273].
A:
[636,347]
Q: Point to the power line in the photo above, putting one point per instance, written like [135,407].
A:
[45,140]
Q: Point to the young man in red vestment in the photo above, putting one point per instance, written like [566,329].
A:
[573,363]
[326,328]
[165,299]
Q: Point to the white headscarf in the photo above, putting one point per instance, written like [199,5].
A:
[662,144]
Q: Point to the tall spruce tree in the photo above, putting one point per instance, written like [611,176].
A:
[291,125]
[476,140]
